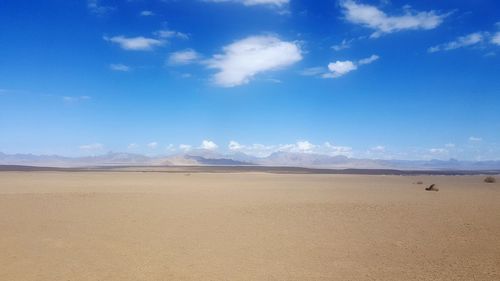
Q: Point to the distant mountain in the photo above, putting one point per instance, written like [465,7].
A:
[110,158]
[201,157]
[303,160]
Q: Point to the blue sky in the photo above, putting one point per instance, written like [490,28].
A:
[374,79]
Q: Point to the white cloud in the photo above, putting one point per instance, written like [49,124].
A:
[378,148]
[449,145]
[72,99]
[132,146]
[341,68]
[438,151]
[258,150]
[475,139]
[277,3]
[234,146]
[303,146]
[336,150]
[373,18]
[170,148]
[208,145]
[147,13]
[496,39]
[183,57]
[345,44]
[119,67]
[185,147]
[92,147]
[167,33]
[135,43]
[244,59]
[460,42]
[368,60]
[153,145]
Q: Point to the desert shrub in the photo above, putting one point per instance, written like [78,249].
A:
[420,182]
[490,179]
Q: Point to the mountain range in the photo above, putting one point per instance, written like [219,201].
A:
[210,158]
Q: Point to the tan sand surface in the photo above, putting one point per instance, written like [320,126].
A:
[249,226]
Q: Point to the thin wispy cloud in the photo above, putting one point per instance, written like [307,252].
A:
[132,146]
[475,139]
[345,44]
[378,149]
[167,34]
[97,8]
[495,39]
[74,99]
[93,147]
[373,18]
[183,57]
[153,145]
[119,67]
[244,59]
[146,13]
[185,147]
[461,42]
[277,3]
[313,71]
[438,151]
[139,43]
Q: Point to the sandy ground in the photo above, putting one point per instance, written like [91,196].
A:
[255,226]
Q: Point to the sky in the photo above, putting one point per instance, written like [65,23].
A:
[384,79]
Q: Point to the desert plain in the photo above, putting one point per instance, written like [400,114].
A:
[126,225]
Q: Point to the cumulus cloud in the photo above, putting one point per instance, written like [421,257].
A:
[336,150]
[139,43]
[132,146]
[372,17]
[302,146]
[119,67]
[305,146]
[146,13]
[167,34]
[153,145]
[341,68]
[244,59]
[91,147]
[475,139]
[208,145]
[185,147]
[183,57]
[277,3]
[461,42]
[234,146]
